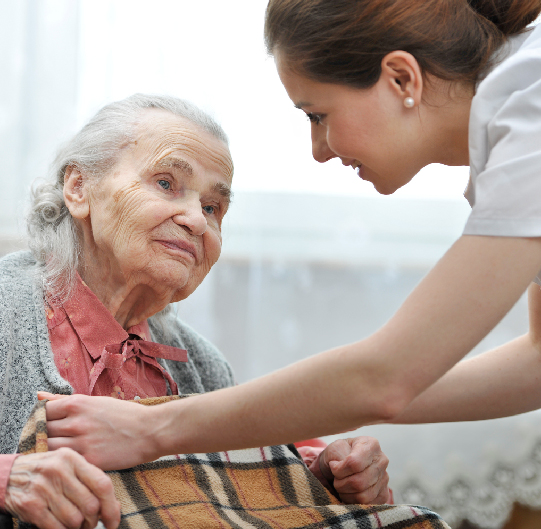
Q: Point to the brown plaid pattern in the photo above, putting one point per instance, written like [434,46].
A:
[260,488]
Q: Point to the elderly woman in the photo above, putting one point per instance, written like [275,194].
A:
[131,224]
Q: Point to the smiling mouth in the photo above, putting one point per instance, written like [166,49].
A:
[182,247]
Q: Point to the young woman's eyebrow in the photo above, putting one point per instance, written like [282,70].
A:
[172,162]
[301,104]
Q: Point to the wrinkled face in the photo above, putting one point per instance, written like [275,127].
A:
[156,219]
[369,130]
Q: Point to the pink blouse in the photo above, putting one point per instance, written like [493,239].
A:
[98,357]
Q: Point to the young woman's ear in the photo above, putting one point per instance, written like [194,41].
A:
[402,74]
[76,193]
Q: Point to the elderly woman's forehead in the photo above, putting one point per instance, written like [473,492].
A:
[159,123]
[160,133]
[159,126]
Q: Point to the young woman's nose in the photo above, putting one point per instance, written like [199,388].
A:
[320,148]
[190,215]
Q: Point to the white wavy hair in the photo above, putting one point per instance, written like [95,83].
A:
[94,150]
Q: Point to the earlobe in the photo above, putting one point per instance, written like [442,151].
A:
[76,193]
[404,76]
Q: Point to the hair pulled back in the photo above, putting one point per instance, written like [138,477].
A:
[344,41]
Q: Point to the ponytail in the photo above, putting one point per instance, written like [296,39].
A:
[509,16]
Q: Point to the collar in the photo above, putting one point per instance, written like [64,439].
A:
[94,324]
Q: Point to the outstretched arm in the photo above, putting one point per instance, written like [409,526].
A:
[502,382]
[374,380]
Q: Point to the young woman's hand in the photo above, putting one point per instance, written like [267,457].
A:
[111,434]
[58,490]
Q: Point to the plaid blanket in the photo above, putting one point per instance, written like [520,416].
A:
[261,488]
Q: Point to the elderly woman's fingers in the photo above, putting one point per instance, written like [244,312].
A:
[337,451]
[57,490]
[101,487]
[364,453]
[365,488]
[373,496]
[357,468]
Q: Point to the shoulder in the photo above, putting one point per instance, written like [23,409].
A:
[504,144]
[520,69]
[17,266]
[19,276]
[505,118]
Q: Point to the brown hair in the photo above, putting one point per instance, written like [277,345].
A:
[344,41]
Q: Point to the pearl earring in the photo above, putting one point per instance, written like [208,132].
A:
[409,102]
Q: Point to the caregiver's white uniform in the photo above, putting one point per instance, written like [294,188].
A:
[505,143]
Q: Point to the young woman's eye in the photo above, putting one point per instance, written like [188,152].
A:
[209,210]
[314,118]
[165,184]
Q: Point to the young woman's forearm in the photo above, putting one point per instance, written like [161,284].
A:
[499,383]
[370,381]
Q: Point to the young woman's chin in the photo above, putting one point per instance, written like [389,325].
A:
[381,185]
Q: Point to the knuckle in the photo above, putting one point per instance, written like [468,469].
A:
[368,445]
[359,482]
[373,443]
[34,505]
[65,454]
[337,447]
[356,462]
[365,497]
[41,486]
[91,506]
[103,485]
[73,402]
[74,519]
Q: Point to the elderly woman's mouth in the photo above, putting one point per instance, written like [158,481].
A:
[180,246]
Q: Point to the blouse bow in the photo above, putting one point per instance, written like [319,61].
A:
[115,356]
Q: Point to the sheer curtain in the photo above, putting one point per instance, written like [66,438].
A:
[39,42]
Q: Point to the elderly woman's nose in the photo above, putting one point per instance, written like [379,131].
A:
[191,216]
[320,148]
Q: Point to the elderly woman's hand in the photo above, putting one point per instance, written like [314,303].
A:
[357,468]
[58,490]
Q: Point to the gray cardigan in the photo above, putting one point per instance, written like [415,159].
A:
[27,363]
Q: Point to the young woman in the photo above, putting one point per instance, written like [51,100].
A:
[389,86]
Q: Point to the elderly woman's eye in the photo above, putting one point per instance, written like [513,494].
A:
[165,184]
[209,210]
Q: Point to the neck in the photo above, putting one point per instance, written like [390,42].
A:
[130,302]
[448,109]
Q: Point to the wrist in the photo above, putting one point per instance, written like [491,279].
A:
[164,434]
[6,465]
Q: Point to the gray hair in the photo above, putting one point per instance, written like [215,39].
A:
[94,150]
